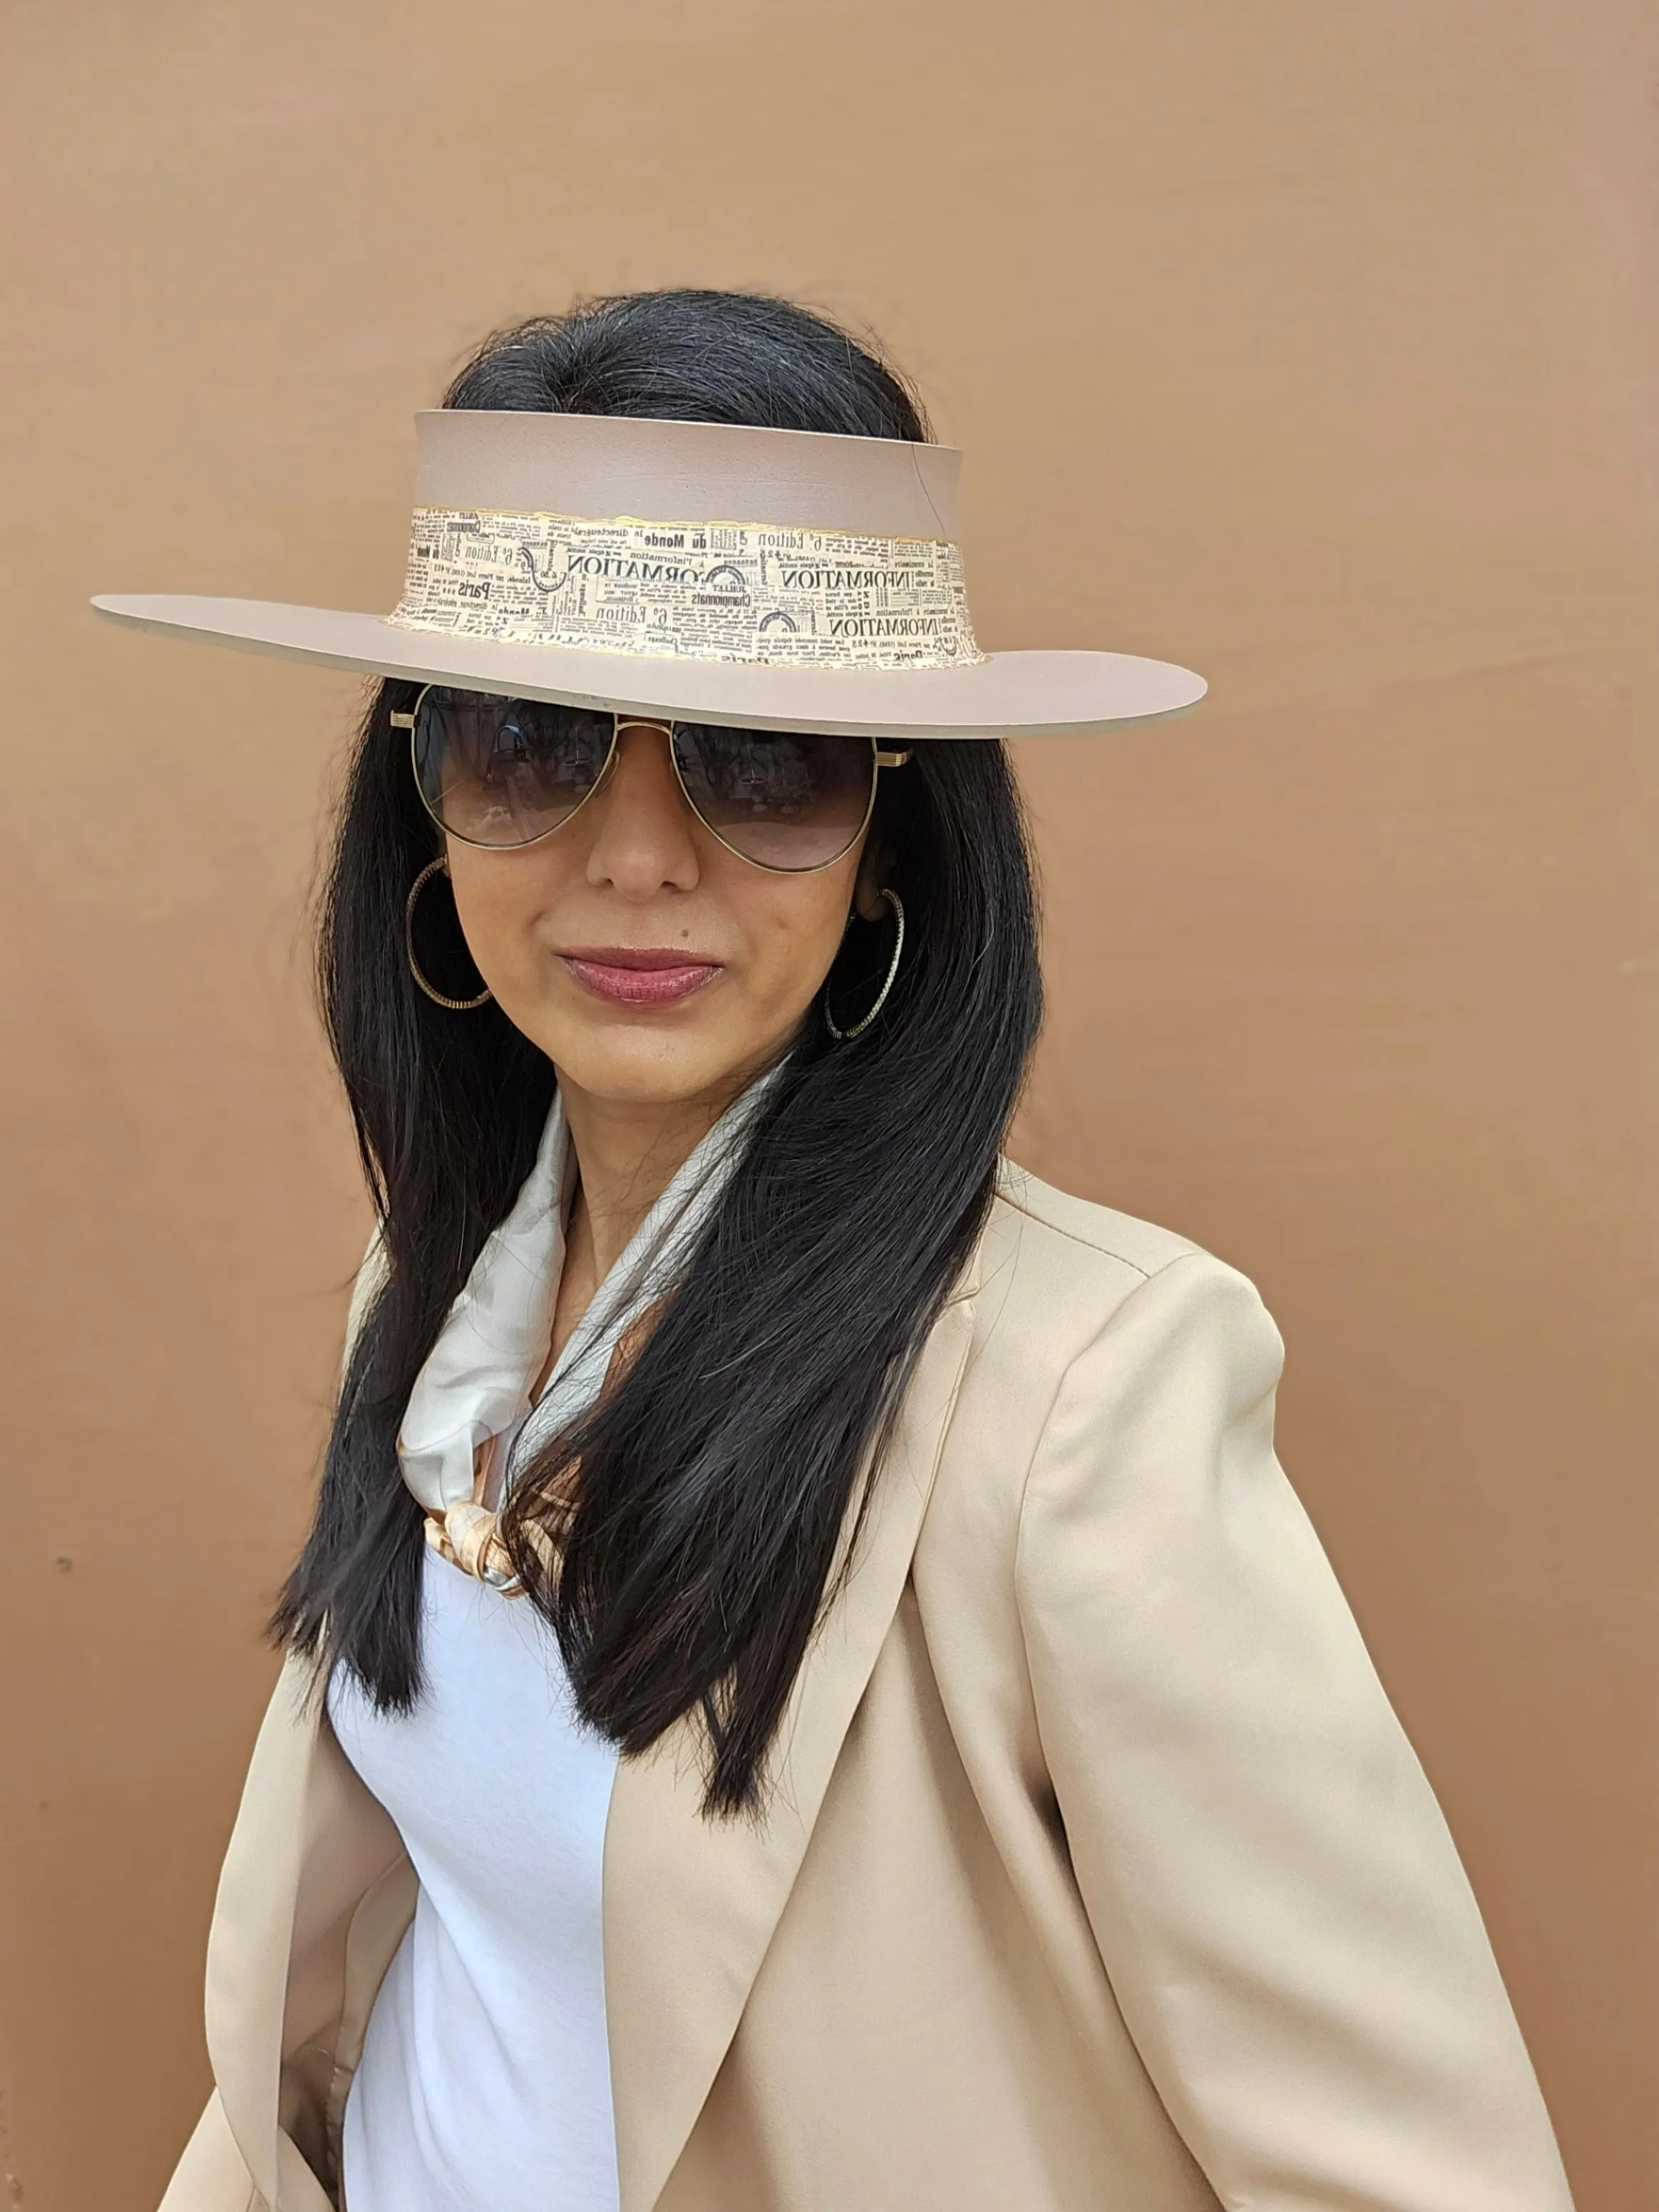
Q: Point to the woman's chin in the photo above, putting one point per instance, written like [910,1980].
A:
[642,1063]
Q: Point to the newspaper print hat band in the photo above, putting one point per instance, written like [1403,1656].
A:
[711,590]
[775,579]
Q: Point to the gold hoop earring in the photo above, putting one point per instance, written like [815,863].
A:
[438,867]
[846,1036]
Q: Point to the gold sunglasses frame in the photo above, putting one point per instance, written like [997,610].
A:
[401,719]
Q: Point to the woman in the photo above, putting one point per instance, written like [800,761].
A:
[807,1688]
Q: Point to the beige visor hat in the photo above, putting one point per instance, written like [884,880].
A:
[773,579]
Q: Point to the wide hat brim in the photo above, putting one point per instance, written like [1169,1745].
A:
[1007,694]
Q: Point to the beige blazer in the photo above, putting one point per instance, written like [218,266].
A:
[1099,1877]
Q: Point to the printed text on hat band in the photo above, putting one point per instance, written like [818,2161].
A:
[724,591]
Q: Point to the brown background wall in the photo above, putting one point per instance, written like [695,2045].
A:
[1312,345]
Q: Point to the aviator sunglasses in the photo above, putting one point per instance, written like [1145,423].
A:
[502,772]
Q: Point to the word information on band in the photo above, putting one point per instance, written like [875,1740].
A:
[722,591]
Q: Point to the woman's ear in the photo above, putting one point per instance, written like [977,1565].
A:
[867,902]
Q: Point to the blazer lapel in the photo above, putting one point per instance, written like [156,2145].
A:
[690,1904]
[250,1944]
[309,1842]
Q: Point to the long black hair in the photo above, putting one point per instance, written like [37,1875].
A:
[695,1510]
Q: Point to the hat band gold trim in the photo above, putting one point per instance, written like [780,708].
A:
[696,591]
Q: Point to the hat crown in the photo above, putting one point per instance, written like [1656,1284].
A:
[711,541]
[604,466]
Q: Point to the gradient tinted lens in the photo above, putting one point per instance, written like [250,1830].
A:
[782,800]
[499,771]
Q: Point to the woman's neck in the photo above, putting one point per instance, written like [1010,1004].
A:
[626,1156]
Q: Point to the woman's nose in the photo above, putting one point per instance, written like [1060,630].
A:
[642,838]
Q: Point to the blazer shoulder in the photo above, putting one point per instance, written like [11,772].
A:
[1035,1211]
[1052,1271]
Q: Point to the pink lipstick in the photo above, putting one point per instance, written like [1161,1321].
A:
[627,977]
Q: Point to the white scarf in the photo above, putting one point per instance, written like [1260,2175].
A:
[475,1385]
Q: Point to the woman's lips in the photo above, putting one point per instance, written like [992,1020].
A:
[631,978]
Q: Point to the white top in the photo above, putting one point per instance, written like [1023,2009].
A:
[485,2074]
[485,2078]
